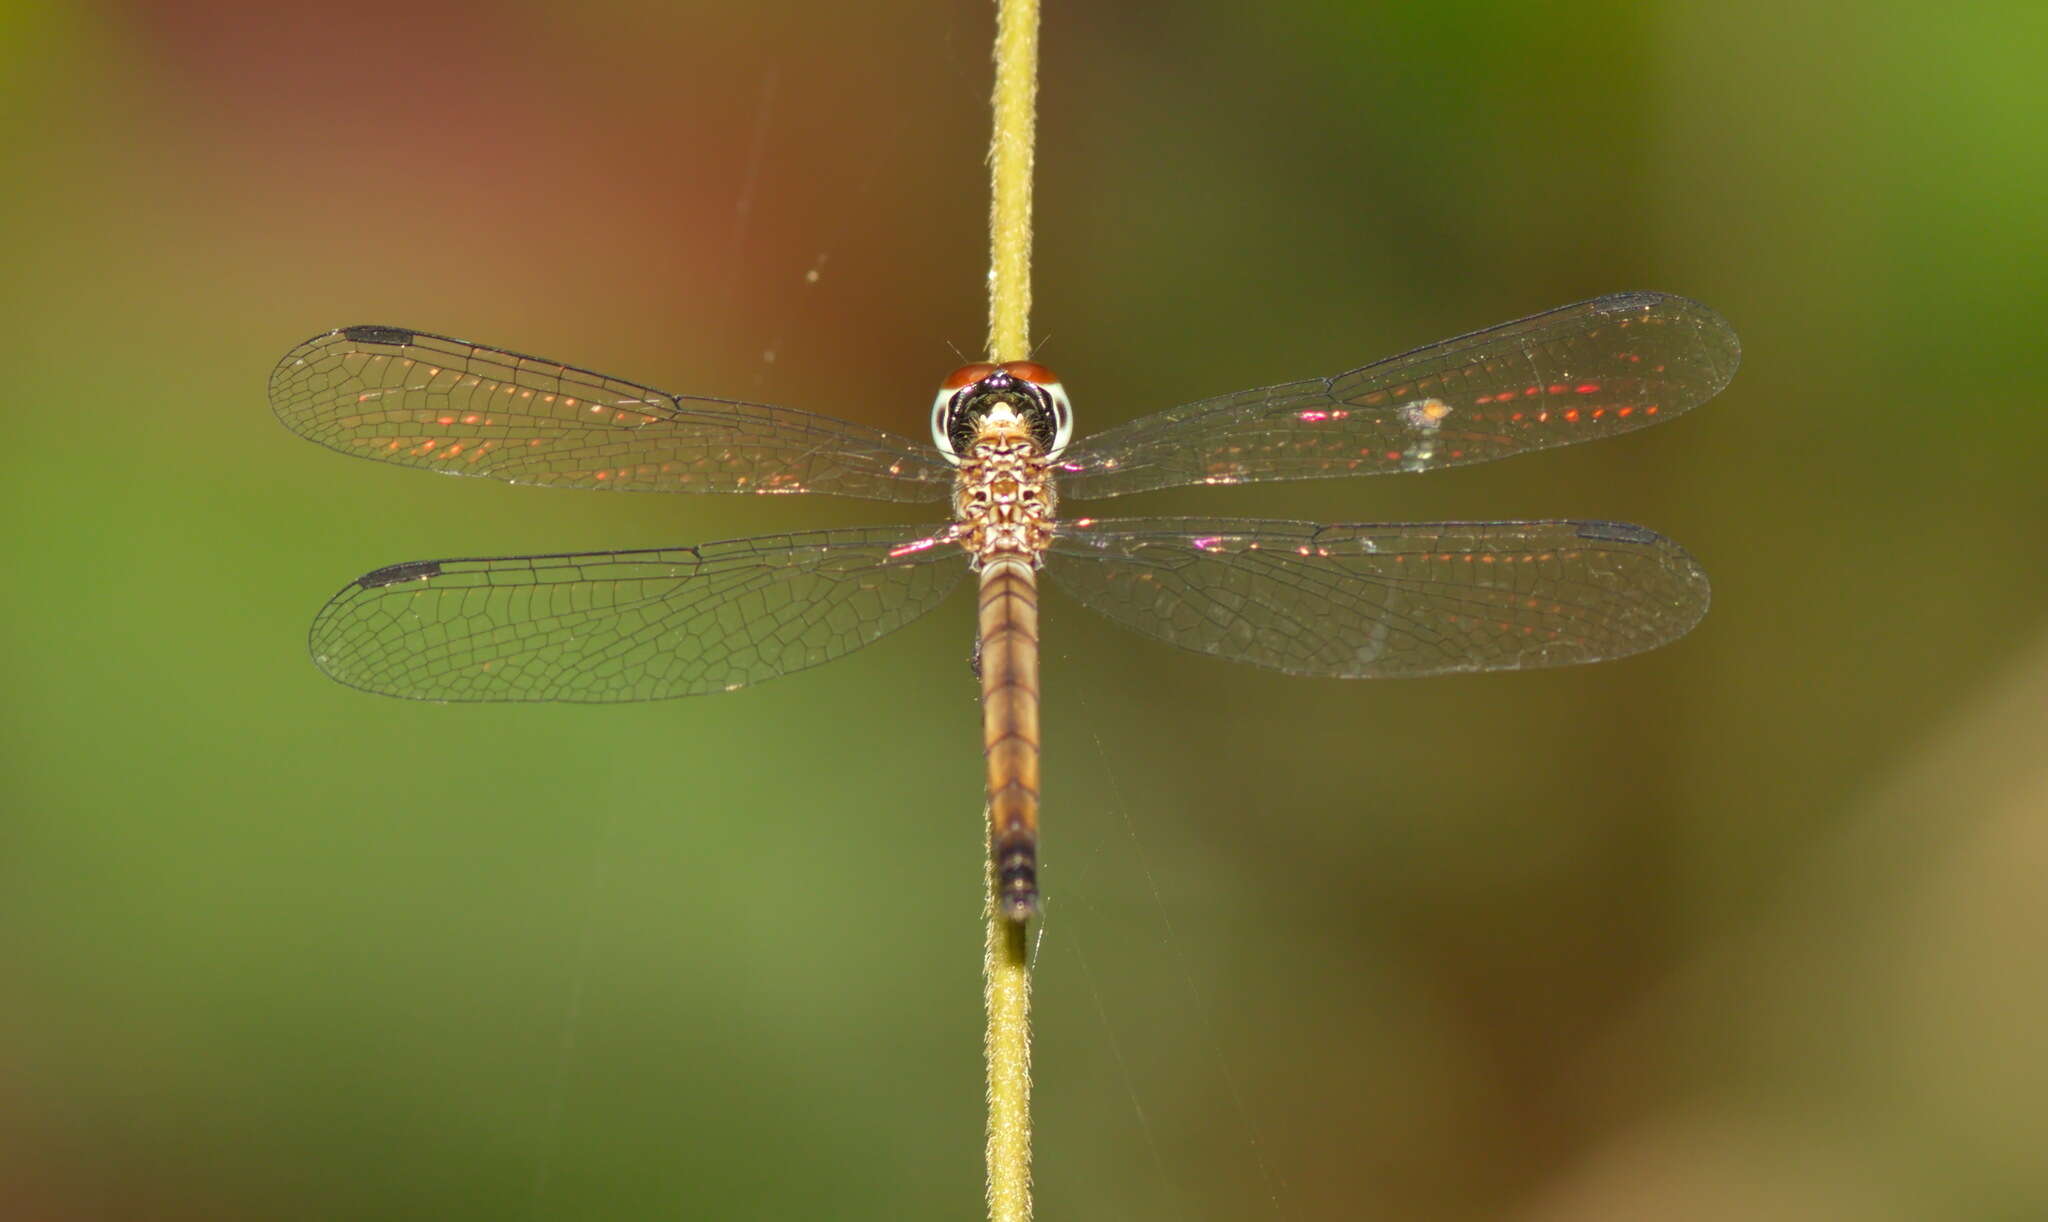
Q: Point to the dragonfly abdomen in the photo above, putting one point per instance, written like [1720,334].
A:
[1009,703]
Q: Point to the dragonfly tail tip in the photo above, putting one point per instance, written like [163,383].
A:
[1019,906]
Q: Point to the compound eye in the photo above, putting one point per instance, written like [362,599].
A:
[943,405]
[966,376]
[1032,372]
[942,419]
[1062,416]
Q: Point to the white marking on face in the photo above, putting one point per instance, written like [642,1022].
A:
[1062,418]
[941,436]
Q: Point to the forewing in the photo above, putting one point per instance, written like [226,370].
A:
[1582,371]
[446,405]
[1372,601]
[602,627]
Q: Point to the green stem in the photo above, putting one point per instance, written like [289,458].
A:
[1009,156]
[1006,966]
[1006,976]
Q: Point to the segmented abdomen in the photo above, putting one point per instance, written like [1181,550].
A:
[1009,711]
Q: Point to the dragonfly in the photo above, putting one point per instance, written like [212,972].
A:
[1348,600]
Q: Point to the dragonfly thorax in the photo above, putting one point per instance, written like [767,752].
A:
[1003,495]
[1017,395]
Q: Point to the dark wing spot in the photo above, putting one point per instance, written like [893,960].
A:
[392,574]
[1618,532]
[378,335]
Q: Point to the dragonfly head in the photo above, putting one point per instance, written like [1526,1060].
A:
[1016,394]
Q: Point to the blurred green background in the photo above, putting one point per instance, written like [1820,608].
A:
[1751,927]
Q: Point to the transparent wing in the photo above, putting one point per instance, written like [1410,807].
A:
[1575,373]
[601,627]
[1372,601]
[445,405]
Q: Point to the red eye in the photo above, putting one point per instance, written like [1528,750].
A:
[966,375]
[1032,372]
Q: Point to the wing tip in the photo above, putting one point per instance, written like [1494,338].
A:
[1690,584]
[1717,339]
[295,361]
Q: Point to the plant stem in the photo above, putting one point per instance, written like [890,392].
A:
[1006,966]
[1010,157]
[1006,991]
